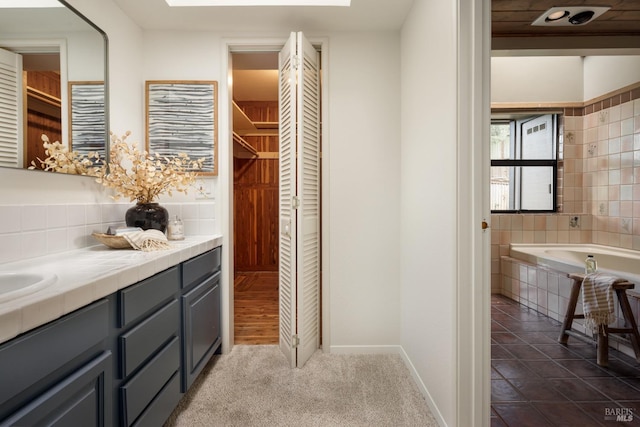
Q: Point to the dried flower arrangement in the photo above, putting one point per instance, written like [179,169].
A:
[61,159]
[148,175]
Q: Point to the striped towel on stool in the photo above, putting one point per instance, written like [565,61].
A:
[597,300]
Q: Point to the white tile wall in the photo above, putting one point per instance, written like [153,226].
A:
[30,231]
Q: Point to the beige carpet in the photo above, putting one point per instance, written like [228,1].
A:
[253,386]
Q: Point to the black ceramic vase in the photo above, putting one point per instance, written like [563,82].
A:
[146,216]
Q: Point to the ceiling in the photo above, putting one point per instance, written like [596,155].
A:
[616,31]
[511,28]
[363,15]
[619,27]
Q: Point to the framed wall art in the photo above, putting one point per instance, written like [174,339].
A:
[181,117]
[87,127]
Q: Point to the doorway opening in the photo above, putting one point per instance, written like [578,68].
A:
[297,128]
[255,197]
[277,197]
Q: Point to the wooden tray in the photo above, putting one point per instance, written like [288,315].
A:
[114,242]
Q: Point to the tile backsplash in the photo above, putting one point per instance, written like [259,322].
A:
[29,231]
[600,178]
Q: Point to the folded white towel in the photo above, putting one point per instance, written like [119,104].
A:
[597,300]
[148,240]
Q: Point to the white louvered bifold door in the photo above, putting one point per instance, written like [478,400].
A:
[309,194]
[299,200]
[11,146]
[287,241]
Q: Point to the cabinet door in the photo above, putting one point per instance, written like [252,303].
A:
[201,327]
[32,363]
[82,399]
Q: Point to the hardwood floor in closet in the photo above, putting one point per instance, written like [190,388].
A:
[256,307]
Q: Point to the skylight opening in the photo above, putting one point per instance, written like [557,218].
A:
[29,3]
[180,3]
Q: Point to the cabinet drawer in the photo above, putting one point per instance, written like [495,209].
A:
[26,360]
[79,400]
[138,392]
[196,269]
[141,298]
[146,338]
[201,334]
[163,405]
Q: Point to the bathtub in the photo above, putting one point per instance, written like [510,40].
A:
[569,258]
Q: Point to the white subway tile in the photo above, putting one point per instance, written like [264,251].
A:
[93,213]
[206,211]
[76,215]
[34,217]
[190,211]
[56,216]
[56,240]
[9,219]
[33,244]
[9,247]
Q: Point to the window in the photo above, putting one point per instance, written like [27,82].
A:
[524,163]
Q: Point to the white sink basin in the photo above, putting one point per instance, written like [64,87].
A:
[13,285]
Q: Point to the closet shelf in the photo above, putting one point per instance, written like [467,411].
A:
[241,123]
[242,149]
[243,126]
[44,103]
[44,97]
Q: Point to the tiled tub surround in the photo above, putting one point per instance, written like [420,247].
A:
[29,231]
[533,228]
[86,275]
[600,177]
[547,291]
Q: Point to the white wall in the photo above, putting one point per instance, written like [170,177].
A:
[363,170]
[537,79]
[548,79]
[428,200]
[85,59]
[603,74]
[364,175]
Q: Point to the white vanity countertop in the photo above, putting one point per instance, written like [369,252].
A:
[86,275]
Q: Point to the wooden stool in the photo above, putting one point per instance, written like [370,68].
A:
[630,328]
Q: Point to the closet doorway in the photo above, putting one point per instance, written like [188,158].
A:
[277,197]
[255,197]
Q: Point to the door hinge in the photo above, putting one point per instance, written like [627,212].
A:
[295,341]
[296,62]
[295,202]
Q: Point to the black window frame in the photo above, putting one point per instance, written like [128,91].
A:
[553,163]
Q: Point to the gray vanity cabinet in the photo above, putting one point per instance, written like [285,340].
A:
[124,360]
[200,313]
[59,374]
[148,348]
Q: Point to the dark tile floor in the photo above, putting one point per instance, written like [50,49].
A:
[535,381]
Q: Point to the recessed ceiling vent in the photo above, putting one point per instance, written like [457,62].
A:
[570,15]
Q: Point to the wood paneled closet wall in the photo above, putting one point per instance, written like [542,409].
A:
[256,231]
[256,196]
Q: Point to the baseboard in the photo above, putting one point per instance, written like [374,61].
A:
[423,389]
[365,349]
[394,349]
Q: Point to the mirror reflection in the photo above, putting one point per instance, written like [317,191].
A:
[52,83]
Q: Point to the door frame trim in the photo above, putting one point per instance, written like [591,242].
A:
[473,289]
